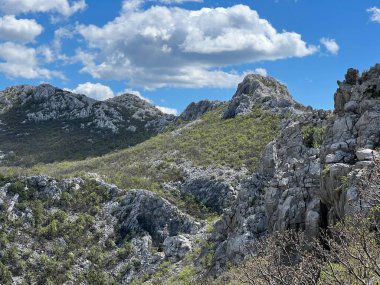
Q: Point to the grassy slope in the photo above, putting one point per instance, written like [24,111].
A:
[234,142]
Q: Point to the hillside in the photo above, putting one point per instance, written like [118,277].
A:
[190,205]
[59,125]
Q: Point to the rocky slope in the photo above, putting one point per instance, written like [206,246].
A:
[308,177]
[73,227]
[61,125]
[351,143]
[197,214]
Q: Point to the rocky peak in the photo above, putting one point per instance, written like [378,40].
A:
[258,90]
[130,101]
[358,93]
[195,110]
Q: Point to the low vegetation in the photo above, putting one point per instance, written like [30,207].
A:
[234,143]
[48,238]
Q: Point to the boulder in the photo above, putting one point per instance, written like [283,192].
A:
[176,247]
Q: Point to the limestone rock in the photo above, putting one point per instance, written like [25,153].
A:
[176,247]
[282,195]
[260,91]
[196,110]
[144,213]
[351,140]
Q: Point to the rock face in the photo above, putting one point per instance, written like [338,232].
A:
[351,142]
[177,247]
[143,213]
[260,91]
[282,195]
[214,187]
[196,110]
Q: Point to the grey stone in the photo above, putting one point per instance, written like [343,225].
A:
[195,110]
[260,91]
[365,154]
[176,247]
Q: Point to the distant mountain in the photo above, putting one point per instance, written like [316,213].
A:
[45,124]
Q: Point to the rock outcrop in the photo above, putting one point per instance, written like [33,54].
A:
[143,213]
[351,142]
[195,110]
[260,91]
[282,195]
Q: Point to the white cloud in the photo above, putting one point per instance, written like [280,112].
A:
[167,110]
[375,14]
[60,34]
[261,71]
[94,90]
[20,61]
[331,45]
[164,46]
[134,92]
[19,30]
[63,7]
[46,53]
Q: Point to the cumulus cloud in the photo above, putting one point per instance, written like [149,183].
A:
[63,7]
[19,30]
[169,46]
[330,45]
[375,14]
[167,110]
[20,61]
[94,90]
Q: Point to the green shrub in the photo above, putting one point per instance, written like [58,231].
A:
[313,136]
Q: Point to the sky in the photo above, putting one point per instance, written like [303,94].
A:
[173,52]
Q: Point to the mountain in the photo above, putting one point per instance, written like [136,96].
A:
[60,125]
[188,205]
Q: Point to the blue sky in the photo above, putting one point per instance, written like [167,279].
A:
[174,52]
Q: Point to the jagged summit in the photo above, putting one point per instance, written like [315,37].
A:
[130,100]
[258,90]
